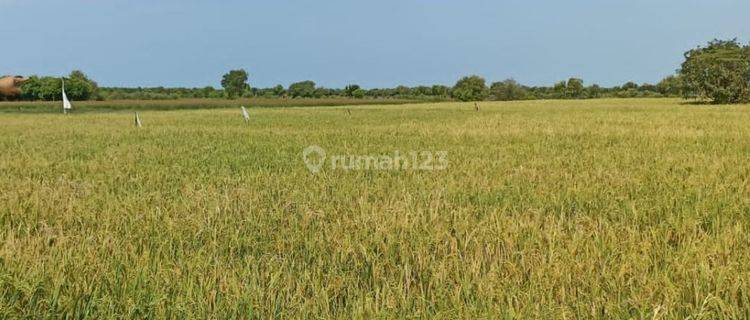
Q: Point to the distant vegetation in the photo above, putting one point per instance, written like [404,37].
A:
[719,72]
[470,88]
[235,83]
[77,86]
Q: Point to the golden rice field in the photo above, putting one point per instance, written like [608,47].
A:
[187,104]
[597,209]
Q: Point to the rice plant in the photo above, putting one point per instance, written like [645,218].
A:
[594,209]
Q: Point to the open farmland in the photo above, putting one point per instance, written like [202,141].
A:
[183,104]
[547,209]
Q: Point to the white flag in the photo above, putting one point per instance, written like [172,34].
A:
[137,120]
[245,114]
[66,103]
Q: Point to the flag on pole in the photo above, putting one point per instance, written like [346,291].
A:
[245,114]
[137,120]
[66,103]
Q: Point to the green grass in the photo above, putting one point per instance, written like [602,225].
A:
[549,209]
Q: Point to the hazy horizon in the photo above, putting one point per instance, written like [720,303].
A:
[192,43]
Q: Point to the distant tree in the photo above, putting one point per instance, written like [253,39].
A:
[303,89]
[595,91]
[507,90]
[79,87]
[560,89]
[574,88]
[324,92]
[670,86]
[630,85]
[719,72]
[440,91]
[235,83]
[358,94]
[279,90]
[402,91]
[422,91]
[471,88]
[206,92]
[647,87]
[32,89]
[350,89]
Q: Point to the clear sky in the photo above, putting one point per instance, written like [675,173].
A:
[372,43]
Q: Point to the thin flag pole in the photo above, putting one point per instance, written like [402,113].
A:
[137,120]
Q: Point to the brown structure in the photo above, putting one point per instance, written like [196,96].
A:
[10,87]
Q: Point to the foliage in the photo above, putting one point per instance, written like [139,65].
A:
[78,87]
[358,94]
[670,86]
[48,89]
[350,89]
[440,91]
[574,89]
[719,72]
[303,89]
[160,93]
[630,85]
[278,91]
[507,90]
[426,93]
[471,88]
[235,83]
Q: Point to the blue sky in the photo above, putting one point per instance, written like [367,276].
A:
[373,43]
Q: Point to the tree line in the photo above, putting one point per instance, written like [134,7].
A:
[470,88]
[79,87]
[718,72]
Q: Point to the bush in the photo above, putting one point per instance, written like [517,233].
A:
[304,89]
[235,83]
[471,88]
[507,90]
[77,86]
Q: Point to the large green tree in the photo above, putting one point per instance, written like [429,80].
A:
[302,89]
[574,88]
[507,90]
[350,89]
[719,72]
[471,88]
[440,90]
[235,83]
[278,90]
[77,86]
[559,89]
